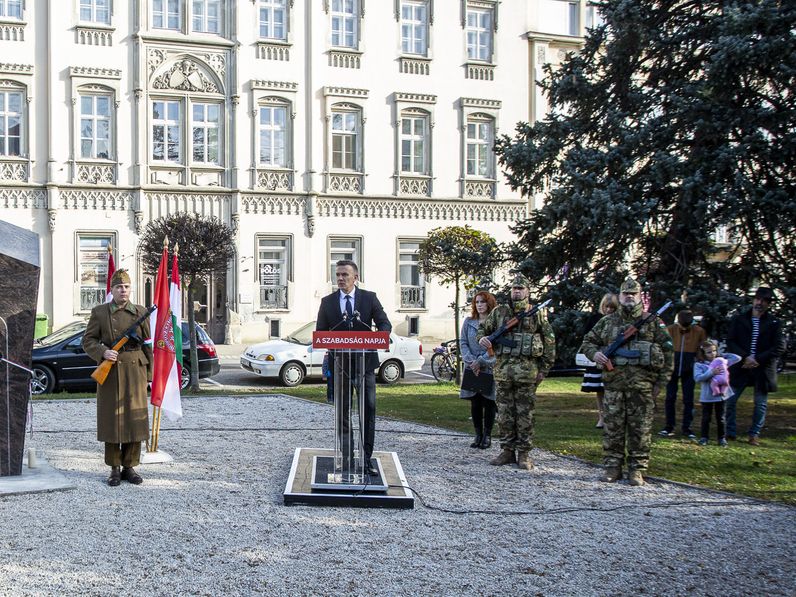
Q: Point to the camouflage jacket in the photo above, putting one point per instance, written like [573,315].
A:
[655,362]
[535,349]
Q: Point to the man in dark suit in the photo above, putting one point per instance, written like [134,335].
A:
[350,307]
[755,336]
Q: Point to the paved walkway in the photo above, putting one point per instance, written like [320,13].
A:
[212,522]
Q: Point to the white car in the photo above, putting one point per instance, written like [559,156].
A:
[292,359]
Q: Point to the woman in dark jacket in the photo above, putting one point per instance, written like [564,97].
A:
[475,357]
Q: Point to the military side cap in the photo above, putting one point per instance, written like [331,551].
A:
[764,293]
[120,276]
[520,280]
[630,285]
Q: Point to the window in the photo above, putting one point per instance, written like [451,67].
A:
[593,17]
[206,16]
[11,117]
[95,127]
[95,11]
[409,273]
[345,140]
[344,23]
[273,136]
[11,8]
[92,269]
[479,34]
[204,126]
[166,14]
[414,143]
[344,248]
[273,267]
[273,19]
[166,135]
[480,137]
[560,17]
[414,27]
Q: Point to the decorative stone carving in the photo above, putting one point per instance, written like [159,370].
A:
[415,98]
[96,173]
[345,92]
[275,180]
[274,85]
[11,198]
[345,183]
[205,204]
[185,75]
[51,213]
[476,102]
[417,209]
[155,57]
[93,36]
[273,51]
[414,66]
[415,185]
[482,189]
[541,55]
[272,205]
[218,63]
[9,32]
[10,68]
[235,223]
[95,72]
[14,171]
[138,221]
[344,59]
[96,200]
[481,72]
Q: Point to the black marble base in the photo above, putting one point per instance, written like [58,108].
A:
[19,272]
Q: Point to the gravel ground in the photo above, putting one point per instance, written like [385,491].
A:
[213,522]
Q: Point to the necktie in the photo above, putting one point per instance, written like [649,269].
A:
[348,308]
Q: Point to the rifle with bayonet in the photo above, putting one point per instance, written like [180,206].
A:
[496,337]
[104,368]
[622,337]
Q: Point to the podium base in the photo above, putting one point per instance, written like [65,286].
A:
[157,457]
[389,490]
[324,476]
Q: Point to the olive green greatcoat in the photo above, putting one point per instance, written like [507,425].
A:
[122,415]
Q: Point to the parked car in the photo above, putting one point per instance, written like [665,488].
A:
[293,359]
[60,363]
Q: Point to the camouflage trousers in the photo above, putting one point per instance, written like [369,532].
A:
[628,422]
[515,403]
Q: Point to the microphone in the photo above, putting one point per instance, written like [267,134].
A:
[339,323]
[356,315]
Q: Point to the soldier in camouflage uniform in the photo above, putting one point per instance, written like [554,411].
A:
[633,385]
[518,371]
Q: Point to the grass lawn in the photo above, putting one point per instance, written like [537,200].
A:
[565,420]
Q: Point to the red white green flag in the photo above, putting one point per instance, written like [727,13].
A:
[111,271]
[166,323]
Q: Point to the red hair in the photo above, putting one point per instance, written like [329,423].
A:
[491,303]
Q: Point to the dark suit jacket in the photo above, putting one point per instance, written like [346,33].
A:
[770,345]
[370,311]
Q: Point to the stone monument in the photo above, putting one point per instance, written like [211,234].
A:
[19,289]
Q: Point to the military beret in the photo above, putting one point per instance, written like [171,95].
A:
[520,280]
[120,276]
[630,285]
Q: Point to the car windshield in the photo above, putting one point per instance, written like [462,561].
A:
[303,335]
[62,334]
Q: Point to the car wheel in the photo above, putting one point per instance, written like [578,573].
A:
[42,380]
[390,372]
[185,378]
[291,375]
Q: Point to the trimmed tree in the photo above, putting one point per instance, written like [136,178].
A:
[206,247]
[462,257]
[669,153]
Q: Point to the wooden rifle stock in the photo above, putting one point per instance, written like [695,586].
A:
[104,368]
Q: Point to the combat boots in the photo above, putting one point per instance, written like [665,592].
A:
[506,456]
[524,461]
[612,474]
[634,478]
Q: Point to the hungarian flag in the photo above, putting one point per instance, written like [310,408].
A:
[166,328]
[111,270]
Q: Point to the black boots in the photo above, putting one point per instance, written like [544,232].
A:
[115,477]
[479,438]
[486,441]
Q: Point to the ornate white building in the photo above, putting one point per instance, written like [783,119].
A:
[317,129]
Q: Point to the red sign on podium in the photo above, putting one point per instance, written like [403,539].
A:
[351,340]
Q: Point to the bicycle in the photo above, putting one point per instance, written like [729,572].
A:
[443,361]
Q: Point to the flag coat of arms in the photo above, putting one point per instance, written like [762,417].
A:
[167,340]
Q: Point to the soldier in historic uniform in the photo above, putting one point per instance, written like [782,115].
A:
[640,371]
[518,371]
[122,421]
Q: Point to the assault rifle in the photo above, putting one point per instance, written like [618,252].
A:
[104,368]
[622,337]
[496,337]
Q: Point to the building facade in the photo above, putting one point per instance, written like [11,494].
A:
[317,129]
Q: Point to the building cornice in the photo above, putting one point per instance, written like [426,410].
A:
[95,73]
[10,68]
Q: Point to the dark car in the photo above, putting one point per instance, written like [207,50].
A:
[60,363]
